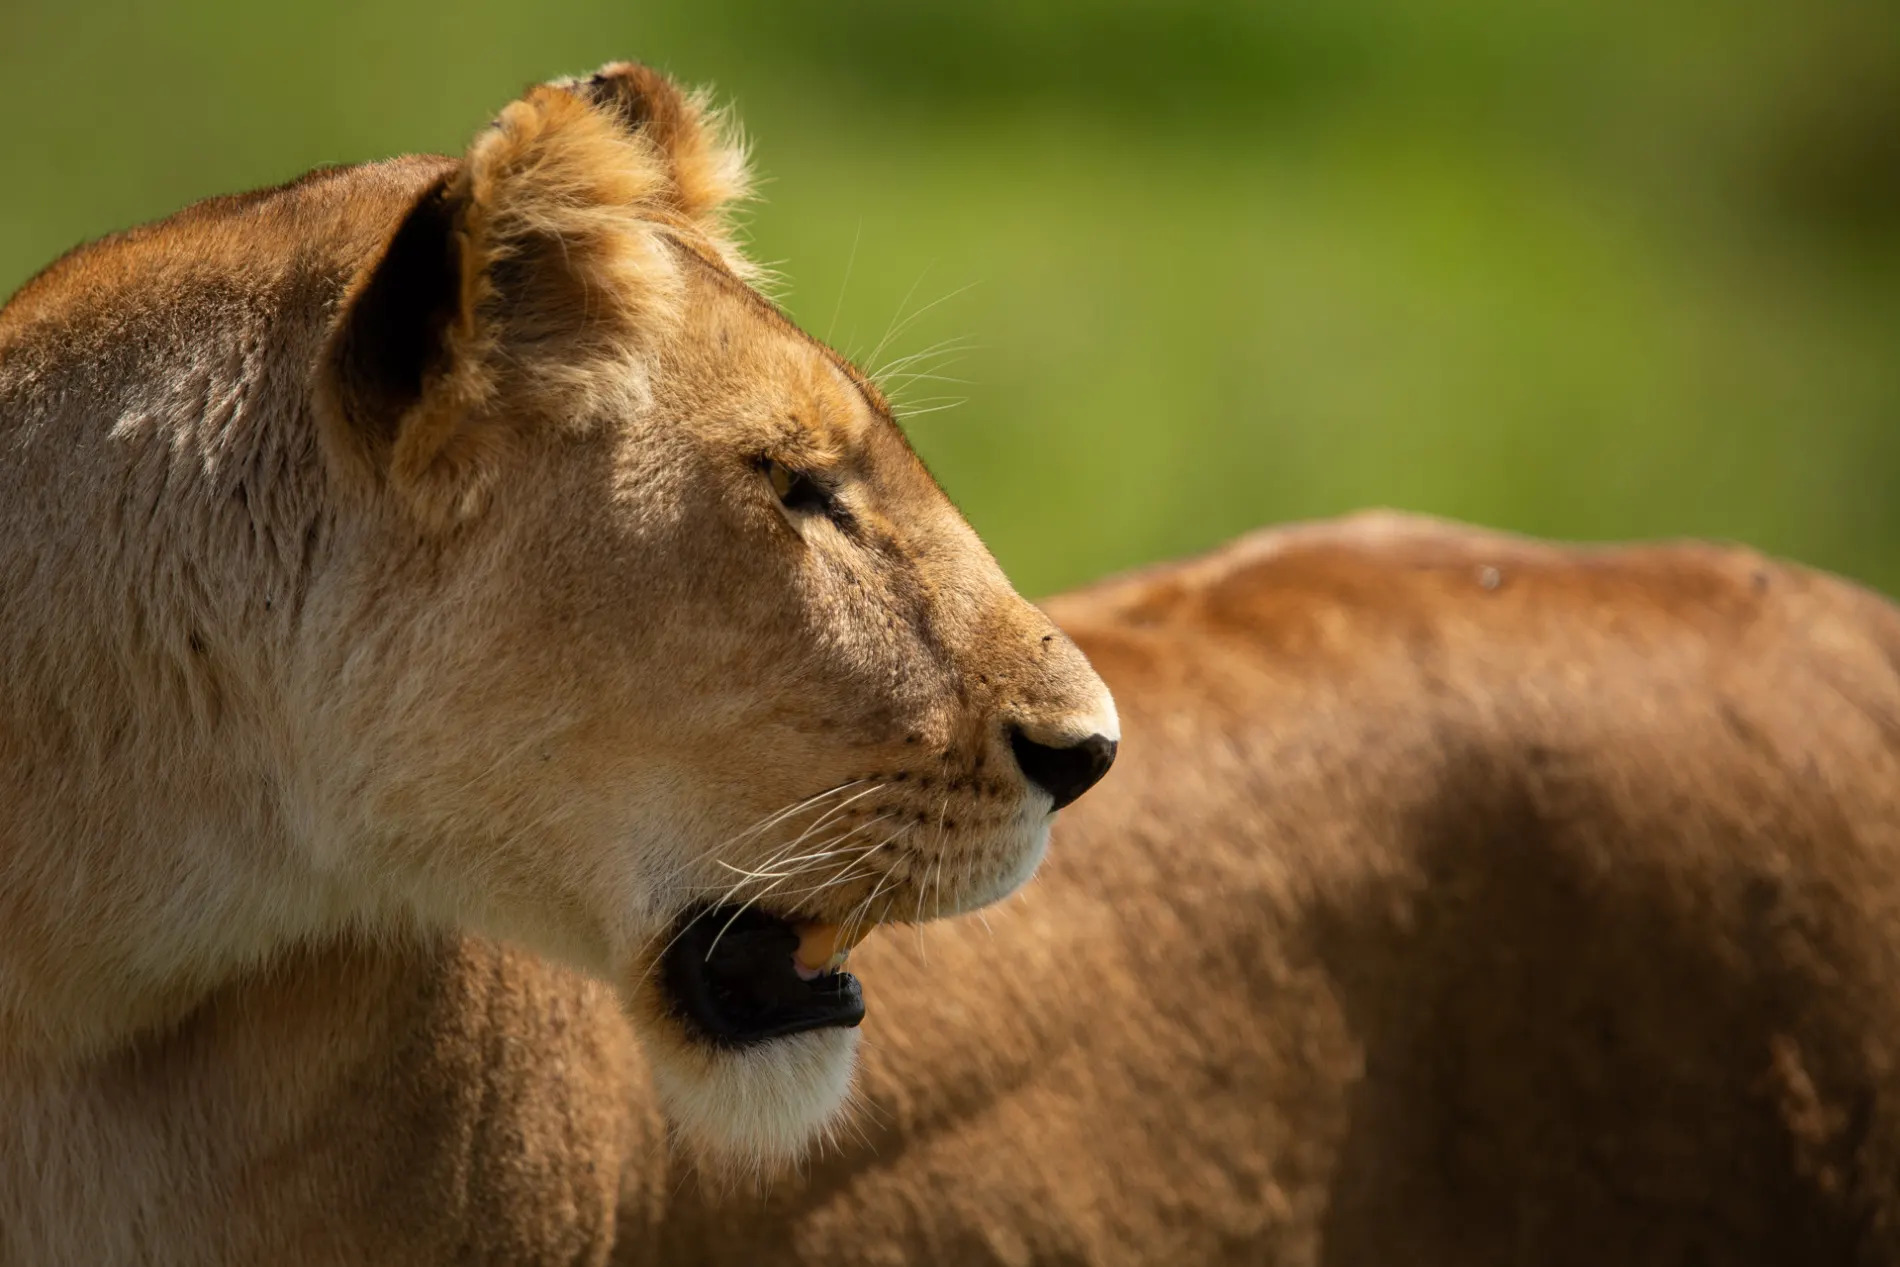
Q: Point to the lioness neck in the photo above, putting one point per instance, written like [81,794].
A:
[160,527]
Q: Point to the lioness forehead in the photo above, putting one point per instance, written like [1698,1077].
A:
[822,403]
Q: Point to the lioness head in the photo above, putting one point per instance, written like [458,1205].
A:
[664,653]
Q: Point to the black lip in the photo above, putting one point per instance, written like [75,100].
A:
[729,972]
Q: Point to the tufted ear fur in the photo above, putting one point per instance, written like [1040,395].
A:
[524,286]
[705,163]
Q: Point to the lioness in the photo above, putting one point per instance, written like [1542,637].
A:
[1463,900]
[440,547]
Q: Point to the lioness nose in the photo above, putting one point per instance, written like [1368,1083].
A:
[1064,773]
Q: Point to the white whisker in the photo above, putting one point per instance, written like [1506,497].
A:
[913,412]
[778,816]
[911,320]
[894,329]
[845,285]
[939,351]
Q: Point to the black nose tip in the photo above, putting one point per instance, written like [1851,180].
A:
[1064,773]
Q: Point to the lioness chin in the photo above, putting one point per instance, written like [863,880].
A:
[464,546]
[1462,900]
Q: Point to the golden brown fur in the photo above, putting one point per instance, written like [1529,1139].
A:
[409,553]
[1460,899]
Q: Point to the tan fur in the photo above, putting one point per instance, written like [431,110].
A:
[1462,900]
[390,558]
[1459,899]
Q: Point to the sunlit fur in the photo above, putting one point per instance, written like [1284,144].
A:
[1460,899]
[388,557]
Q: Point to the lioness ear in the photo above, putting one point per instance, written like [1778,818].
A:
[392,346]
[523,287]
[705,163]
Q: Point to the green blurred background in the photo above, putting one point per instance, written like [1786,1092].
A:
[1590,268]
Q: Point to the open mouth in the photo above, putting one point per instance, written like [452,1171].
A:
[739,975]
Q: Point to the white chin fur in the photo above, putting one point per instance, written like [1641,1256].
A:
[1034,830]
[749,1111]
[754,1109]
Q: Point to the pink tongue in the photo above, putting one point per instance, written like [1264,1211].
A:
[804,973]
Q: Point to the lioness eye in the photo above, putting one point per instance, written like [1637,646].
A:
[797,490]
